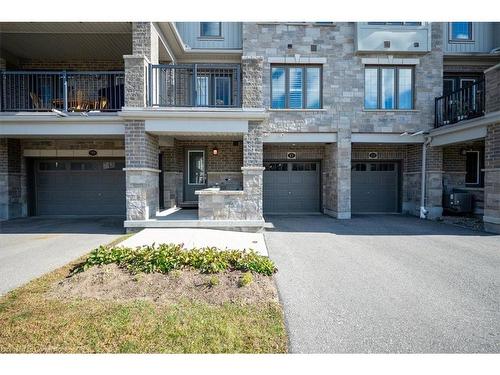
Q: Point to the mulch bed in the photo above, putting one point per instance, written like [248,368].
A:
[111,282]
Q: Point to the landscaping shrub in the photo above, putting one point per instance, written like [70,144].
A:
[168,257]
[245,279]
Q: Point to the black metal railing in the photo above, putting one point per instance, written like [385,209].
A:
[460,105]
[195,85]
[65,91]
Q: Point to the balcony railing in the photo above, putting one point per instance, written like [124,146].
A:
[65,91]
[464,104]
[195,85]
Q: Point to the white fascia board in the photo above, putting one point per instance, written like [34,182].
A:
[299,137]
[194,113]
[196,125]
[461,135]
[385,138]
[61,128]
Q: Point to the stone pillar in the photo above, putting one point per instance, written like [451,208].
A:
[13,192]
[145,50]
[142,173]
[252,72]
[337,177]
[492,97]
[253,170]
[491,216]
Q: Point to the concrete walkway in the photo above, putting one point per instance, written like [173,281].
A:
[386,284]
[194,237]
[31,247]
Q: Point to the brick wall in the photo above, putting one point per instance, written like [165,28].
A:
[279,152]
[141,148]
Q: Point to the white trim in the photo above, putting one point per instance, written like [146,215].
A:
[491,219]
[205,113]
[385,138]
[204,168]
[460,135]
[299,137]
[297,60]
[494,67]
[389,60]
[189,126]
[136,169]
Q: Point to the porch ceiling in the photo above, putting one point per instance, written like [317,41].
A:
[65,40]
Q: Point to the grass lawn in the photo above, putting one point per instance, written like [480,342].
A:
[31,322]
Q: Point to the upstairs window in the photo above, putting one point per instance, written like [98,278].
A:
[210,29]
[296,87]
[461,31]
[389,87]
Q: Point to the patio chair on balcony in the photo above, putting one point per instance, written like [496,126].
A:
[35,101]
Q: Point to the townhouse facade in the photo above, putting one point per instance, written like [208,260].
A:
[217,124]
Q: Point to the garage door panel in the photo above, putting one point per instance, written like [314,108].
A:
[292,190]
[374,187]
[90,191]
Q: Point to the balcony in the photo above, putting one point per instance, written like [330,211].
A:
[460,105]
[37,91]
[195,85]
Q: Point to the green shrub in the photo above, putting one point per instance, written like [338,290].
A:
[213,281]
[165,258]
[245,279]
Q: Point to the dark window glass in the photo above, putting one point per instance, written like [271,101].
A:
[52,166]
[448,86]
[210,28]
[461,31]
[83,166]
[389,87]
[296,87]
[276,166]
[222,91]
[472,167]
[113,165]
[360,167]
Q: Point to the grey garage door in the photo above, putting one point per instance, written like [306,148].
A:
[80,187]
[374,187]
[291,187]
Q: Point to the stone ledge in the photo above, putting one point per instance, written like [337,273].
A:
[252,168]
[139,169]
[216,191]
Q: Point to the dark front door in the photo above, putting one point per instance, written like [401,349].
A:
[195,176]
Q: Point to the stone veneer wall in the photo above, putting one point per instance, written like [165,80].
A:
[141,161]
[13,180]
[492,179]
[492,77]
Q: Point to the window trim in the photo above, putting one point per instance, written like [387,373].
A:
[468,40]
[202,36]
[304,67]
[396,87]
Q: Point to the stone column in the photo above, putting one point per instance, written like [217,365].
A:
[252,72]
[13,197]
[491,216]
[434,182]
[343,173]
[330,180]
[492,78]
[142,173]
[253,171]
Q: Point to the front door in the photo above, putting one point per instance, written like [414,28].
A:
[195,177]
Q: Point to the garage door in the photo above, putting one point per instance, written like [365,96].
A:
[374,187]
[291,187]
[80,187]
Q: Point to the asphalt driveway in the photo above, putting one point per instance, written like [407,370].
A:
[386,284]
[31,247]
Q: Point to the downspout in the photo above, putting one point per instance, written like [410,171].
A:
[423,210]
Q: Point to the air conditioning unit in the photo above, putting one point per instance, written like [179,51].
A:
[458,202]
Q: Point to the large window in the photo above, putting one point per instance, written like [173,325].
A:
[210,29]
[389,87]
[461,31]
[296,87]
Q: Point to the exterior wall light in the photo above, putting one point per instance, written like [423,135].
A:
[215,151]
